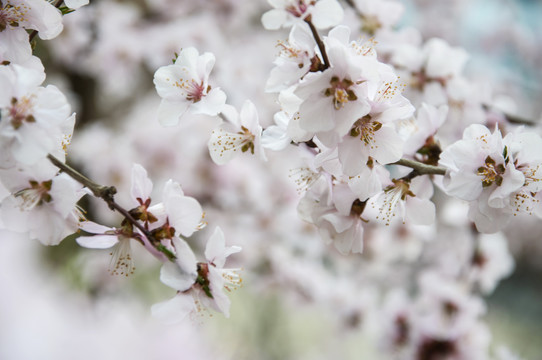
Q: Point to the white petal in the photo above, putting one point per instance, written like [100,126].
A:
[274,19]
[327,13]
[174,310]
[97,241]
[141,184]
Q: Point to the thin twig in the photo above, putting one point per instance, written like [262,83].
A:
[421,168]
[319,42]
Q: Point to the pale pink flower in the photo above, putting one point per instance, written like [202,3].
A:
[184,87]
[240,134]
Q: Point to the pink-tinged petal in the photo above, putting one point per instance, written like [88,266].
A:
[353,155]
[340,33]
[340,223]
[327,13]
[211,104]
[141,184]
[93,228]
[274,19]
[249,117]
[204,65]
[216,251]
[174,277]
[188,57]
[169,113]
[174,310]
[216,285]
[466,186]
[419,211]
[186,260]
[45,18]
[65,194]
[368,183]
[316,114]
[97,241]
[343,198]
[184,213]
[350,240]
[168,81]
[388,147]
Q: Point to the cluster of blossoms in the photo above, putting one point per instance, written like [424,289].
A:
[39,202]
[343,107]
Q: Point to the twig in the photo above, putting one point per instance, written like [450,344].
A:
[319,42]
[106,193]
[421,168]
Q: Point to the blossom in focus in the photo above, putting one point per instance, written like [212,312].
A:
[241,134]
[499,177]
[184,87]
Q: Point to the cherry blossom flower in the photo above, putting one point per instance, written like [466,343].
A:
[36,120]
[241,134]
[332,99]
[199,284]
[296,58]
[122,262]
[405,200]
[45,208]
[184,87]
[485,170]
[37,15]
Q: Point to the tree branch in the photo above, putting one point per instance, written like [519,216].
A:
[319,42]
[421,168]
[106,193]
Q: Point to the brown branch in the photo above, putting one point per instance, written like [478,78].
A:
[421,168]
[319,42]
[106,193]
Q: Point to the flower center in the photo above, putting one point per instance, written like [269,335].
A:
[365,128]
[392,195]
[243,140]
[299,7]
[341,92]
[35,195]
[194,91]
[11,15]
[491,173]
[20,111]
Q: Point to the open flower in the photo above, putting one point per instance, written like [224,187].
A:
[184,87]
[198,284]
[241,134]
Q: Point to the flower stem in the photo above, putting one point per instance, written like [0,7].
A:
[319,42]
